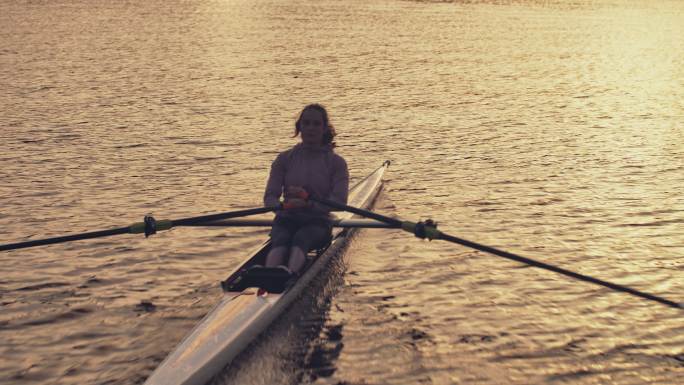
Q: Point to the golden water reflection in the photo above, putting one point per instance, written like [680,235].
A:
[550,129]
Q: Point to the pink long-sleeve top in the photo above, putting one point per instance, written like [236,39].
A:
[321,171]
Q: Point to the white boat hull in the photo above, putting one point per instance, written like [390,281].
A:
[240,317]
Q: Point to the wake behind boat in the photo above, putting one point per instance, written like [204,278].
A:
[253,298]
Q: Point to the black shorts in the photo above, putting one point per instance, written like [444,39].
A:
[307,234]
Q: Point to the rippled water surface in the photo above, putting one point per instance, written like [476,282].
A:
[552,129]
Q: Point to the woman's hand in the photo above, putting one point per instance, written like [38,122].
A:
[295,198]
[295,203]
[296,192]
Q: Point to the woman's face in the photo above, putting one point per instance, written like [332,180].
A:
[312,127]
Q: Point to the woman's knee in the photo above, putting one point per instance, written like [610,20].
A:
[310,238]
[280,237]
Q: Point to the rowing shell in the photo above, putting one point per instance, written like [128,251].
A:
[244,313]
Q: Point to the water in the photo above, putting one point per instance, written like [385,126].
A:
[547,128]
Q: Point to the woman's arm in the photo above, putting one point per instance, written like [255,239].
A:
[340,181]
[276,179]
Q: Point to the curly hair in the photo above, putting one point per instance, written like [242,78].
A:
[329,133]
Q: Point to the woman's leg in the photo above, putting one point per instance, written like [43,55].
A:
[281,235]
[297,259]
[305,239]
[276,256]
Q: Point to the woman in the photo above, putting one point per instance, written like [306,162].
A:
[310,167]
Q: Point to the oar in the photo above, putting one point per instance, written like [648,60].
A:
[429,230]
[148,227]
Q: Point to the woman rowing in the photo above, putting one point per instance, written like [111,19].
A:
[309,168]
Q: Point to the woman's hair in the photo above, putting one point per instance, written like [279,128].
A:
[329,134]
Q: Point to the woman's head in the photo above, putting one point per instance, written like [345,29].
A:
[314,125]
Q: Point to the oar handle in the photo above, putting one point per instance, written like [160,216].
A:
[355,210]
[228,215]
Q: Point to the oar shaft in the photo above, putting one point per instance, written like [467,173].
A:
[67,238]
[559,270]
